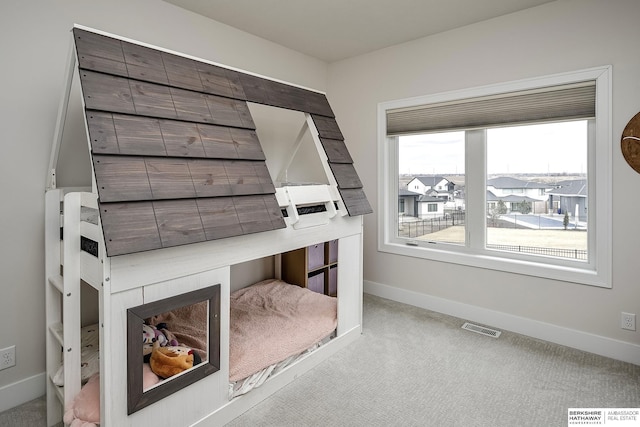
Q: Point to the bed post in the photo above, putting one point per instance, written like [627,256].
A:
[62,115]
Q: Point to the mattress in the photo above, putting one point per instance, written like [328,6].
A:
[272,324]
[238,388]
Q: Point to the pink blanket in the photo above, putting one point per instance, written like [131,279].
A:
[273,320]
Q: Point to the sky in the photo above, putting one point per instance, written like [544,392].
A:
[542,148]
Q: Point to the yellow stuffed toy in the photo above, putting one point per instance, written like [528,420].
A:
[171,360]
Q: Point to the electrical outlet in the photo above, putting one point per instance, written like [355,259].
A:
[628,321]
[7,357]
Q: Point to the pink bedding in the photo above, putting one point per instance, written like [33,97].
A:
[273,320]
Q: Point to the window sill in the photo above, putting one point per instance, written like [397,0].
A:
[581,273]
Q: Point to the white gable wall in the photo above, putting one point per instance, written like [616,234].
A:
[561,36]
[424,213]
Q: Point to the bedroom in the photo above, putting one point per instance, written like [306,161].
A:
[593,32]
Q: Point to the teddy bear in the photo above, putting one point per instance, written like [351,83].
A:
[170,360]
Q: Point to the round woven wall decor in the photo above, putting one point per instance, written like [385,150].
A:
[630,143]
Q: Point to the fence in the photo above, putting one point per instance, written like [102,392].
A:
[431,225]
[536,221]
[555,252]
[423,227]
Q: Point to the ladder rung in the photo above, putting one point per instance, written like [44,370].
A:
[57,282]
[59,391]
[57,331]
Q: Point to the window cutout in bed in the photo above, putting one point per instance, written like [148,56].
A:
[290,152]
[191,320]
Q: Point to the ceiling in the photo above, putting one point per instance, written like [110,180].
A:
[332,30]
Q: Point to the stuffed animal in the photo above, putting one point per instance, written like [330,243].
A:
[152,334]
[148,338]
[170,360]
[84,410]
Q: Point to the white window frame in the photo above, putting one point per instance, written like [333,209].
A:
[596,272]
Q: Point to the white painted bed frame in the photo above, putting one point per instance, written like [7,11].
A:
[131,280]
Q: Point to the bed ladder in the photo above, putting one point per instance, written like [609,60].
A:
[62,296]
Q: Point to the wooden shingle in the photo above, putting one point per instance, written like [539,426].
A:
[355,201]
[327,127]
[210,178]
[138,136]
[345,175]
[336,150]
[178,222]
[122,178]
[129,227]
[219,218]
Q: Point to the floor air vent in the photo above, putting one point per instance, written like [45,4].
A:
[481,330]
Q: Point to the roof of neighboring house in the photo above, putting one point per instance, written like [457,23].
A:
[430,180]
[576,187]
[508,182]
[430,199]
[511,198]
[406,193]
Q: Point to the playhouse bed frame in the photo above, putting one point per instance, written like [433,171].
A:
[77,251]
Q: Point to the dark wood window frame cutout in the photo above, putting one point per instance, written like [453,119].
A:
[136,397]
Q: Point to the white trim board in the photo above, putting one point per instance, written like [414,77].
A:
[22,391]
[603,346]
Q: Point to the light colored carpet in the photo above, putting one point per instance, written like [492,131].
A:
[30,414]
[414,367]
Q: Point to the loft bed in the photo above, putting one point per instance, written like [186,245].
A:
[182,196]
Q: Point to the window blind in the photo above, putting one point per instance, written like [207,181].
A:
[564,102]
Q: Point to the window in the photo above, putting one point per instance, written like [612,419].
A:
[518,163]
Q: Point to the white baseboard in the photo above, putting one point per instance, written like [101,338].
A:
[608,347]
[22,391]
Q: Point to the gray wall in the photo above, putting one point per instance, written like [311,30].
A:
[34,42]
[560,36]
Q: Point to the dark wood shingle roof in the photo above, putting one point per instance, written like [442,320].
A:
[175,153]
[341,165]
